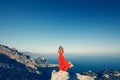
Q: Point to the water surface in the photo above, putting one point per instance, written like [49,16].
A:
[85,62]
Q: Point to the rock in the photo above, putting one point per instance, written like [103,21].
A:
[19,66]
[19,57]
[60,75]
[106,76]
[63,75]
[10,69]
[41,62]
[90,73]
[14,54]
[52,65]
[83,77]
[117,74]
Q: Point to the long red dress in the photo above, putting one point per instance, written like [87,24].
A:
[63,63]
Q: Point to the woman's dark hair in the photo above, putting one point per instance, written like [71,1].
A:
[60,47]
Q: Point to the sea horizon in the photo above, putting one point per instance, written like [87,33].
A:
[83,63]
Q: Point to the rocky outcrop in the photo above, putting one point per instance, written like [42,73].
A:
[117,74]
[90,75]
[83,77]
[104,75]
[10,69]
[19,57]
[52,65]
[63,75]
[41,62]
[60,75]
[19,66]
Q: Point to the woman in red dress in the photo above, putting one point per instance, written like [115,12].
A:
[64,65]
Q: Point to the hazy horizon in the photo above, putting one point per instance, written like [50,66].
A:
[79,26]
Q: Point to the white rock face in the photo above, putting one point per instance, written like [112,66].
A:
[19,57]
[63,75]
[60,75]
[83,77]
[117,74]
[106,75]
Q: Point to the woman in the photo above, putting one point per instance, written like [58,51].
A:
[64,65]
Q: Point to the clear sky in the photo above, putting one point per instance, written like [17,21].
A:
[80,26]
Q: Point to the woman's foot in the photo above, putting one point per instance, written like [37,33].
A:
[71,65]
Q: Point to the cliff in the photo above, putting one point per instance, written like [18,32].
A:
[15,65]
[42,62]
[19,57]
[63,75]
[90,75]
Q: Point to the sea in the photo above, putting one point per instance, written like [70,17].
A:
[84,63]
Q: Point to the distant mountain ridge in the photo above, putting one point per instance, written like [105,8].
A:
[20,66]
[17,66]
[19,57]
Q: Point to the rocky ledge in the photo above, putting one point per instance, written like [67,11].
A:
[42,62]
[15,65]
[90,75]
[19,57]
[63,75]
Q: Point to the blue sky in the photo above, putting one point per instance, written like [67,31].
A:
[80,26]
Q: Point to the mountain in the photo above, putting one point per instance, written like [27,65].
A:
[19,57]
[15,65]
[10,69]
[42,62]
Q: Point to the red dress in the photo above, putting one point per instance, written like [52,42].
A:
[63,63]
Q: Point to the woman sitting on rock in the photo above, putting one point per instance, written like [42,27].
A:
[64,65]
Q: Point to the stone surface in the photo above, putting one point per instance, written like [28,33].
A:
[63,75]
[117,74]
[41,62]
[19,66]
[19,57]
[83,77]
[60,75]
[106,76]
